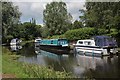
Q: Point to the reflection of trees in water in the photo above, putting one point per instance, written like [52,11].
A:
[54,63]
[28,50]
[15,48]
[109,69]
[61,62]
[68,63]
[119,64]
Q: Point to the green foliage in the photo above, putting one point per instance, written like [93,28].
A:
[102,15]
[113,33]
[36,71]
[26,30]
[56,18]
[77,25]
[83,33]
[44,31]
[56,36]
[10,65]
[9,37]
[101,31]
[38,31]
[12,28]
[10,17]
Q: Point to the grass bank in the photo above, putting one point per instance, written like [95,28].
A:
[10,65]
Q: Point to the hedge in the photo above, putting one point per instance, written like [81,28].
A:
[83,33]
[56,36]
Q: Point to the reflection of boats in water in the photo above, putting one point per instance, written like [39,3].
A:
[15,41]
[104,68]
[52,50]
[54,45]
[97,66]
[46,52]
[37,50]
[15,47]
[37,41]
[78,65]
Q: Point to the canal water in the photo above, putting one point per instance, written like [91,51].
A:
[79,65]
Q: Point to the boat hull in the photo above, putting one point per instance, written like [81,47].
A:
[94,50]
[55,49]
[13,43]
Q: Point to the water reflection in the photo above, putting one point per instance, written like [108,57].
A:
[15,47]
[79,65]
[107,68]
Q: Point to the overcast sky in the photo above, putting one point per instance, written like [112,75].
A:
[34,9]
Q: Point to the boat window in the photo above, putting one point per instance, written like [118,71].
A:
[87,43]
[52,42]
[38,40]
[62,42]
[80,42]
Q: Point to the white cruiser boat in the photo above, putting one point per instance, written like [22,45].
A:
[98,45]
[37,40]
[15,41]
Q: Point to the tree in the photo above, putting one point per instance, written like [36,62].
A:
[10,17]
[38,32]
[77,24]
[56,18]
[30,30]
[44,31]
[102,15]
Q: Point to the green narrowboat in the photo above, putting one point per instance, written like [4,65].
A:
[54,42]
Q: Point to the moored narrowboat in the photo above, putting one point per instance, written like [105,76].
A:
[98,45]
[54,42]
[55,45]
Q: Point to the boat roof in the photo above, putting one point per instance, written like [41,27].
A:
[103,36]
[54,39]
[86,40]
[94,37]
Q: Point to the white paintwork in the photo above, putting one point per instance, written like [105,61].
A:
[86,42]
[88,48]
[12,43]
[15,41]
[65,45]
[38,39]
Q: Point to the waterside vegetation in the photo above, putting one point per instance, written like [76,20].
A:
[101,18]
[10,65]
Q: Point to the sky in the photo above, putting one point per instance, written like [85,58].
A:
[34,9]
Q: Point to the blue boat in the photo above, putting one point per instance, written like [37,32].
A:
[54,42]
[55,45]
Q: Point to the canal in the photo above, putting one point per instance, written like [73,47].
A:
[79,65]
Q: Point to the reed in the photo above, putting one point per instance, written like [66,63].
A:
[36,71]
[10,65]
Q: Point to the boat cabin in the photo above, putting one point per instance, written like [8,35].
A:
[38,39]
[97,45]
[54,42]
[105,41]
[86,42]
[101,41]
[15,41]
